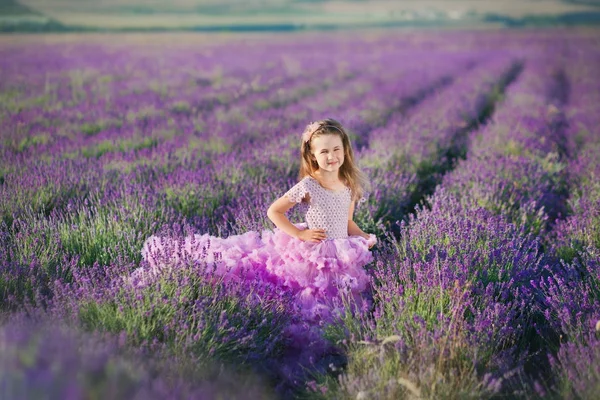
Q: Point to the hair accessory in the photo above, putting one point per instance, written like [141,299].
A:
[309,130]
[313,127]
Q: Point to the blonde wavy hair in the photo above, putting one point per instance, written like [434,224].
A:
[350,175]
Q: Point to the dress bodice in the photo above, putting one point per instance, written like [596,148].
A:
[328,209]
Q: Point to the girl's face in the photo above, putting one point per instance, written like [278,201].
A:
[328,150]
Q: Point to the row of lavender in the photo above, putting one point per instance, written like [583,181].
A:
[571,291]
[471,300]
[184,314]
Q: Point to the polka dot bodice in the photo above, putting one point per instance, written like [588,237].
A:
[328,209]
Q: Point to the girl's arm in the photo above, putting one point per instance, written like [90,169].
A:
[276,214]
[354,230]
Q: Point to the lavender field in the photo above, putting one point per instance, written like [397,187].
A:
[482,150]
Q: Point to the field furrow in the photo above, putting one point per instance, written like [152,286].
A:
[416,150]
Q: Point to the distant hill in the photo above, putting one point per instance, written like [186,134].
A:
[17,17]
[585,2]
[286,15]
[12,7]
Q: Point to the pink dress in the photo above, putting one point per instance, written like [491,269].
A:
[316,273]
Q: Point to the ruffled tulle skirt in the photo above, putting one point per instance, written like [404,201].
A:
[319,275]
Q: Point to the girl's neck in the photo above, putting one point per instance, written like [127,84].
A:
[328,177]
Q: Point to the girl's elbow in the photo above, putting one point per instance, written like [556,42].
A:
[271,213]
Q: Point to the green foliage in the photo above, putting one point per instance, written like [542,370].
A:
[36,242]
[569,253]
[31,141]
[91,129]
[166,311]
[262,104]
[181,107]
[407,366]
[367,222]
[209,145]
[90,232]
[403,358]
[112,231]
[146,113]
[31,201]
[192,200]
[118,145]
[96,151]
[15,290]
[518,200]
[5,169]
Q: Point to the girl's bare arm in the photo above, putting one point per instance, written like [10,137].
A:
[353,229]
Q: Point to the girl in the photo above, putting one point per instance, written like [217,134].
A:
[327,163]
[317,260]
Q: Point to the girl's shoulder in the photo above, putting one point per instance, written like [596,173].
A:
[299,191]
[311,183]
[309,180]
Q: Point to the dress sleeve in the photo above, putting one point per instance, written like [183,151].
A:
[297,193]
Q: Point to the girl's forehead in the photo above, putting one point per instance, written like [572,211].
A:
[326,141]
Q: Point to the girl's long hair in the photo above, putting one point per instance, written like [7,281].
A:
[349,172]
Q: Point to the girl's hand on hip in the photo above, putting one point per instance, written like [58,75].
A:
[312,235]
[371,240]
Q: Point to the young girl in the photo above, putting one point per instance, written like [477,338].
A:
[317,260]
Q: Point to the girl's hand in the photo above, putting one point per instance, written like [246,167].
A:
[371,240]
[312,235]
